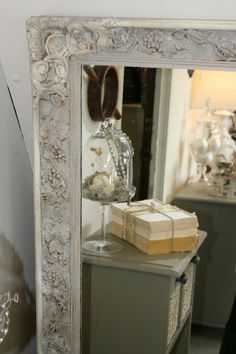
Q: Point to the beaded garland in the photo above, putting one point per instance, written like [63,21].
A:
[99,186]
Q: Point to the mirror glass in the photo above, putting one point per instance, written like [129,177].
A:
[160,111]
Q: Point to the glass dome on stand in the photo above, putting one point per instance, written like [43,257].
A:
[107,176]
[227,146]
[204,143]
[225,156]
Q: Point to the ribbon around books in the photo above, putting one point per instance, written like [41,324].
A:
[138,209]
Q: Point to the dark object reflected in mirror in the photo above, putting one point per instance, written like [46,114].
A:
[22,315]
[137,122]
[102,92]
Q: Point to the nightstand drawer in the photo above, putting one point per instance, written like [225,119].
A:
[187,292]
[173,316]
[180,301]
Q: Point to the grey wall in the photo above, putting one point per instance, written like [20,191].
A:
[16,229]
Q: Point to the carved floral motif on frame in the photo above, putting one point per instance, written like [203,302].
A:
[52,42]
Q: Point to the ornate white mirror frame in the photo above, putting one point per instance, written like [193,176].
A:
[54,43]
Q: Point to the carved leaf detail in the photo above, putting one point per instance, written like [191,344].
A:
[52,41]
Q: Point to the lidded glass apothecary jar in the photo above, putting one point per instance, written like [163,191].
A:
[107,175]
[204,142]
[227,148]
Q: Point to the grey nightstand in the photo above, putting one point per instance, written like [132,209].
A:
[137,304]
[215,278]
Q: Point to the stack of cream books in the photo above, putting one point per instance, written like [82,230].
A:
[154,227]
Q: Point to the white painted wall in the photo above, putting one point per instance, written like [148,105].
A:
[91,216]
[13,46]
[16,225]
[178,165]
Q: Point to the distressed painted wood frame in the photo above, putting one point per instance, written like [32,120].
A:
[55,45]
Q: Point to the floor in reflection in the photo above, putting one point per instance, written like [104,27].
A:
[205,340]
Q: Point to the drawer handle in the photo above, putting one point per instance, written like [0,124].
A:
[195,259]
[182,279]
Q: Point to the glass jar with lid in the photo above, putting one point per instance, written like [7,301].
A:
[107,174]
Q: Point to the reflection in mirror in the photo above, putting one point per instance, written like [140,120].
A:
[19,320]
[148,100]
[138,123]
[177,137]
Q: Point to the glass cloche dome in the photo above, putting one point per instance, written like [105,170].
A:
[107,174]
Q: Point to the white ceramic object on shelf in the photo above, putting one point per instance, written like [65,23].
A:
[214,143]
[204,144]
[227,148]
